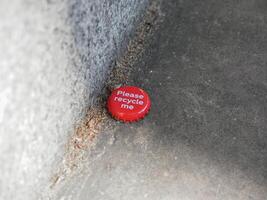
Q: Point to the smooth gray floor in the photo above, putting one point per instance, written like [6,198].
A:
[206,135]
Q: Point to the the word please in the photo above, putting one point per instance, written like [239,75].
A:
[126,94]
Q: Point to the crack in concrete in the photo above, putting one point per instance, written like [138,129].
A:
[87,130]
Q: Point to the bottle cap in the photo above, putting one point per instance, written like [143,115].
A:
[128,103]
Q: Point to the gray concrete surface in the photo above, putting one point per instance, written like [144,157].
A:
[205,137]
[54,58]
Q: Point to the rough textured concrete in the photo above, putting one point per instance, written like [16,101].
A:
[54,58]
[205,137]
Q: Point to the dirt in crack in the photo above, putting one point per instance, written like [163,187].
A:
[84,134]
[80,142]
[135,49]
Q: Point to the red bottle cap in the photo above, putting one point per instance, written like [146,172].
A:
[128,103]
